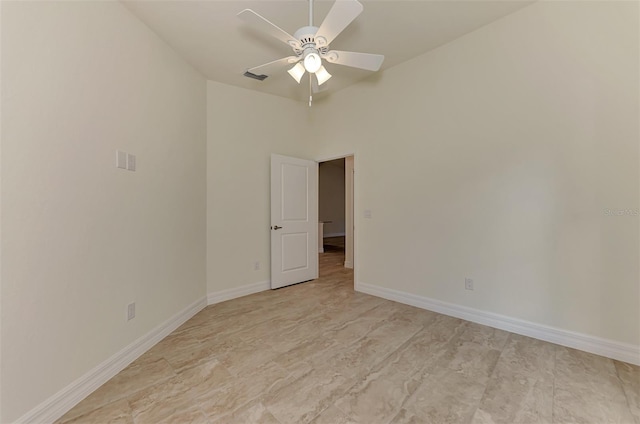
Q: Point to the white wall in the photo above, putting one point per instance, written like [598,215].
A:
[80,238]
[331,195]
[495,157]
[243,129]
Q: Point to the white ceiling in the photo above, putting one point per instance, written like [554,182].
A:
[208,34]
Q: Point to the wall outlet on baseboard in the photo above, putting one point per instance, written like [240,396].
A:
[468,284]
[131,311]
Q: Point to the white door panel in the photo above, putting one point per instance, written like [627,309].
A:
[294,251]
[295,180]
[294,220]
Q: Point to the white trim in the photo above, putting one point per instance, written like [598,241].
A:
[348,264]
[61,402]
[342,234]
[599,346]
[228,294]
[334,157]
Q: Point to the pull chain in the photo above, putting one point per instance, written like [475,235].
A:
[310,24]
[310,87]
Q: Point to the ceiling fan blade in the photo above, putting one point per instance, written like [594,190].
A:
[276,65]
[268,27]
[370,62]
[342,13]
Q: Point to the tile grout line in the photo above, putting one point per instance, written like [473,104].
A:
[123,397]
[350,344]
[343,325]
[493,370]
[624,390]
[553,391]
[373,369]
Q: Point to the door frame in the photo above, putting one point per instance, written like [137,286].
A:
[353,206]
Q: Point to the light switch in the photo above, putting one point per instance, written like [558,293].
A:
[121,159]
[131,162]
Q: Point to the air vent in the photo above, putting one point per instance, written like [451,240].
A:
[254,76]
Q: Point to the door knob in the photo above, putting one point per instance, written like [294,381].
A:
[276,227]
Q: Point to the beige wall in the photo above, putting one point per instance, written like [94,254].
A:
[243,129]
[511,143]
[331,195]
[80,238]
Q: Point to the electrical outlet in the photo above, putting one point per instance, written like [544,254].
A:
[468,284]
[256,265]
[131,311]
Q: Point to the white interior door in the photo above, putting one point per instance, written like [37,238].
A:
[294,220]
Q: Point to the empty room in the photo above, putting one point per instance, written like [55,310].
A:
[319,211]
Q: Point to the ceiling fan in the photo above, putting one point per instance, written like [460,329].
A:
[310,45]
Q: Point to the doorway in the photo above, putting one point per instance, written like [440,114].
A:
[335,214]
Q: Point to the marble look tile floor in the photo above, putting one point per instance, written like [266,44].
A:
[318,352]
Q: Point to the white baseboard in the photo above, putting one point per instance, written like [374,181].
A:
[599,346]
[342,234]
[228,294]
[61,402]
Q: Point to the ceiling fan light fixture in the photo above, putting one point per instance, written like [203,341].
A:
[322,75]
[312,62]
[297,72]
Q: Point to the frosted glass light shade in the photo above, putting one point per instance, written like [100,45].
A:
[312,62]
[322,75]
[297,72]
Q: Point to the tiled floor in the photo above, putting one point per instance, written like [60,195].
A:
[320,352]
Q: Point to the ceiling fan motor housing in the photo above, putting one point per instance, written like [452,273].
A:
[307,37]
